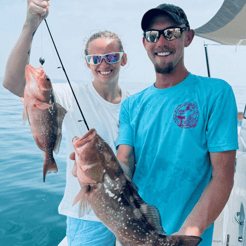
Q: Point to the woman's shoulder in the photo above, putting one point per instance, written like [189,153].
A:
[64,92]
[68,89]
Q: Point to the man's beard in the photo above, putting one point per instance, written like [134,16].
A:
[164,70]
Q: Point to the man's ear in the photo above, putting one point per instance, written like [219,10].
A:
[144,42]
[124,60]
[189,37]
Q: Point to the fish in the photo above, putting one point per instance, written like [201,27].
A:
[114,197]
[44,115]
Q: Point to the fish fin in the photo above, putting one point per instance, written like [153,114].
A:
[180,240]
[24,116]
[81,194]
[61,112]
[57,143]
[49,164]
[84,208]
[28,117]
[42,105]
[191,241]
[133,186]
[150,213]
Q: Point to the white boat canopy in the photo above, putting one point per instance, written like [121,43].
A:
[228,26]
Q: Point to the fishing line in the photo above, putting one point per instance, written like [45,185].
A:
[41,40]
[41,59]
[66,75]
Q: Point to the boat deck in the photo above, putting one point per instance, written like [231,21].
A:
[65,243]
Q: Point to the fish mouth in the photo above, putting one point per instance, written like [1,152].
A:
[30,69]
[88,137]
[30,73]
[37,77]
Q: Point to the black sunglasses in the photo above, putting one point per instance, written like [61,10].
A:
[170,33]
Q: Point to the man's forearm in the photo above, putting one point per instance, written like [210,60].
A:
[208,207]
[214,197]
[128,169]
[126,157]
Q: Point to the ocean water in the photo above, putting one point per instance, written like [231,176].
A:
[28,206]
[240,94]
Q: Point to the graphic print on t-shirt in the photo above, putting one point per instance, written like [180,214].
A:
[186,115]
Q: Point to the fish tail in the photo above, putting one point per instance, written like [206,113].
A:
[49,165]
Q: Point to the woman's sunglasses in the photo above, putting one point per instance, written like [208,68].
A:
[109,58]
[169,34]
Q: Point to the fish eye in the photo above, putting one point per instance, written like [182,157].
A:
[48,79]
[100,147]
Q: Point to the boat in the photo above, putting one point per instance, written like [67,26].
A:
[65,243]
[228,27]
[229,227]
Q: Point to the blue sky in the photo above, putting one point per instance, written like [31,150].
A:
[71,22]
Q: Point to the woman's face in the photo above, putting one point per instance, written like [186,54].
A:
[104,72]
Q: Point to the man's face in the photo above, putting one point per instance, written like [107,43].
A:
[167,56]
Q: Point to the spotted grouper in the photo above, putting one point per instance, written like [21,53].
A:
[114,198]
[43,114]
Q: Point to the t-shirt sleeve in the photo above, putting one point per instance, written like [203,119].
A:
[125,128]
[221,129]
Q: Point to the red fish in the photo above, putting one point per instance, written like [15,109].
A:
[115,199]
[43,114]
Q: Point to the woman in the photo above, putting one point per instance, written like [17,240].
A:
[100,102]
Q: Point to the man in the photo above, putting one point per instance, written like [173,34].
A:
[179,136]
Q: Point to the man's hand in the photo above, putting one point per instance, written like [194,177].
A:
[190,231]
[37,10]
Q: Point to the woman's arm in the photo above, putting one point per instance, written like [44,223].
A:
[14,77]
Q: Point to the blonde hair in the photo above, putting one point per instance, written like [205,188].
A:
[104,34]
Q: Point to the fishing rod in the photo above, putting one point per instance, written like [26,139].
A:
[63,68]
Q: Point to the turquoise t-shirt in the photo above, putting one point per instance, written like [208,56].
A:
[172,131]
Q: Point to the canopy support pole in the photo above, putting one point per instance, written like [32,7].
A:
[206,54]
